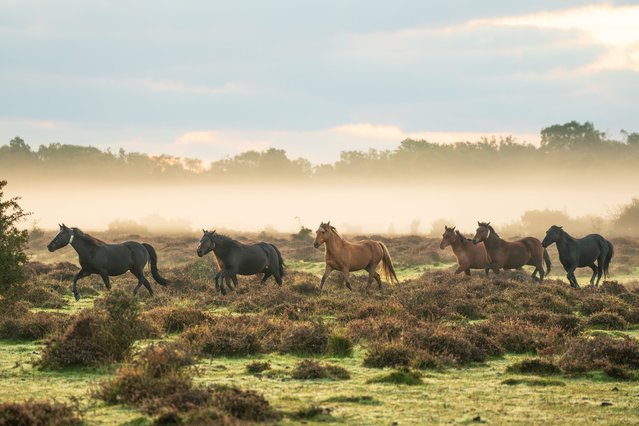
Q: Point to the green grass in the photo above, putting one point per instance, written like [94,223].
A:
[448,396]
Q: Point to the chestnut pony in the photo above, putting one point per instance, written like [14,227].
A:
[513,254]
[345,256]
[469,256]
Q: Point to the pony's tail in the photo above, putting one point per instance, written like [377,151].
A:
[154,265]
[547,260]
[280,260]
[611,252]
[387,265]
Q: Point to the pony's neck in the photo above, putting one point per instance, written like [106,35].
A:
[492,239]
[564,238]
[79,242]
[334,242]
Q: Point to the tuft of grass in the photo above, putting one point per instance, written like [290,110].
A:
[314,413]
[361,400]
[339,346]
[403,376]
[257,367]
[32,412]
[533,382]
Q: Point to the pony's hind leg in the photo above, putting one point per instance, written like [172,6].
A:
[595,271]
[267,275]
[142,281]
[347,275]
[107,282]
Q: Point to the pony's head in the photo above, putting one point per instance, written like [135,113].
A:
[323,233]
[483,232]
[448,237]
[552,235]
[64,237]
[207,243]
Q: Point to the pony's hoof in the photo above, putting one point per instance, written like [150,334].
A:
[77,296]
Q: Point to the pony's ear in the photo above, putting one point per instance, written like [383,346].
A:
[60,225]
[214,231]
[488,224]
[453,228]
[64,226]
[561,227]
[479,223]
[328,223]
[204,231]
[445,227]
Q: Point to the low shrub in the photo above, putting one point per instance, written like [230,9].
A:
[33,325]
[534,366]
[600,352]
[245,405]
[314,413]
[607,320]
[389,355]
[155,380]
[533,382]
[176,320]
[101,335]
[32,412]
[304,338]
[229,335]
[376,329]
[313,370]
[403,376]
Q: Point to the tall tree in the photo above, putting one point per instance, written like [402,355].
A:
[571,135]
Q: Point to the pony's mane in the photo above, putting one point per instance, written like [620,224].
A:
[225,240]
[463,239]
[88,238]
[490,228]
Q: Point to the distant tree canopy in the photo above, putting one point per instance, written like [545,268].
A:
[570,145]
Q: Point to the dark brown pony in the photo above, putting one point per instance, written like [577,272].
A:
[345,256]
[513,254]
[469,256]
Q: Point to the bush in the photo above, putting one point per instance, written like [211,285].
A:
[313,370]
[32,412]
[13,242]
[389,355]
[339,346]
[534,366]
[600,352]
[176,320]
[233,335]
[33,325]
[155,380]
[400,377]
[607,320]
[101,335]
[244,404]
[304,338]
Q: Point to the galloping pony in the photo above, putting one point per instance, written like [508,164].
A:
[234,257]
[108,260]
[513,254]
[581,252]
[469,256]
[346,256]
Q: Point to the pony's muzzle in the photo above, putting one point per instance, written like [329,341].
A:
[199,253]
[50,248]
[316,245]
[475,241]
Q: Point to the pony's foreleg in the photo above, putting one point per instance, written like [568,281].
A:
[74,287]
[216,279]
[571,276]
[347,274]
[327,272]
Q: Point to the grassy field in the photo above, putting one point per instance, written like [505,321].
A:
[458,335]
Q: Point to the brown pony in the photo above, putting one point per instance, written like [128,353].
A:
[513,254]
[469,256]
[345,256]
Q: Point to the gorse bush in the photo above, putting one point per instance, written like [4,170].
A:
[313,370]
[534,366]
[599,353]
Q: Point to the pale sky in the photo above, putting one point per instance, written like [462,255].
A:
[209,79]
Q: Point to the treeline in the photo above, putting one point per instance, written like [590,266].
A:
[569,146]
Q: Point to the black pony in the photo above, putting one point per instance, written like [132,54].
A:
[235,258]
[581,252]
[98,257]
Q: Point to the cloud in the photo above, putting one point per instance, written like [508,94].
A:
[180,87]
